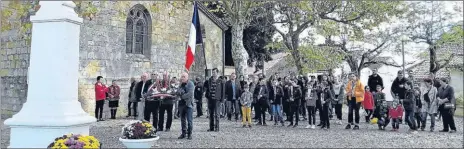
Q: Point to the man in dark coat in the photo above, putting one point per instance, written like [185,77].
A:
[215,95]
[232,92]
[374,80]
[199,96]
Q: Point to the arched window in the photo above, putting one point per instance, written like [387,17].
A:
[138,30]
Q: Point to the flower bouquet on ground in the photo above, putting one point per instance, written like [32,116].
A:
[75,141]
[138,134]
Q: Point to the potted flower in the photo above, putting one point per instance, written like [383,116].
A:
[138,134]
[75,141]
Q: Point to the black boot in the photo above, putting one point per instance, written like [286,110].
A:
[115,111]
[189,136]
[182,136]
[112,113]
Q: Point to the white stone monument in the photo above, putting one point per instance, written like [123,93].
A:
[52,108]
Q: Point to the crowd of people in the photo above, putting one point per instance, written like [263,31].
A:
[290,100]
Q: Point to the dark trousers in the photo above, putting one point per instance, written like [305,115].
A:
[295,113]
[186,117]
[353,108]
[383,121]
[369,113]
[303,108]
[213,111]
[319,109]
[152,108]
[395,123]
[232,108]
[199,106]
[262,106]
[418,117]
[338,111]
[410,119]
[133,109]
[448,119]
[168,109]
[99,109]
[311,115]
[325,116]
[254,106]
[286,109]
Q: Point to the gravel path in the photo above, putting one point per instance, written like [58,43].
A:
[233,136]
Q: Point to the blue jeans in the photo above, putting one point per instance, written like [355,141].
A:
[277,113]
[186,116]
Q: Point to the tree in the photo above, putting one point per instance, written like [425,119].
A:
[432,24]
[238,15]
[365,49]
[258,35]
[296,17]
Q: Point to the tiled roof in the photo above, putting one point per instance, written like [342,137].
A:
[421,70]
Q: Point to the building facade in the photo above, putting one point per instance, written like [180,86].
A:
[118,40]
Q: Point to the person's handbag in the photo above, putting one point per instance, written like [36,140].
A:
[448,106]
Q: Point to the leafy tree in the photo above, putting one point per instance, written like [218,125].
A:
[238,15]
[251,19]
[432,24]
[296,17]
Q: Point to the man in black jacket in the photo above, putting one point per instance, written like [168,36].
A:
[409,104]
[215,95]
[141,88]
[374,80]
[398,90]
[129,103]
[232,94]
[199,96]
[262,101]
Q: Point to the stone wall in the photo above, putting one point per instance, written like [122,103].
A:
[102,51]
[212,42]
[14,56]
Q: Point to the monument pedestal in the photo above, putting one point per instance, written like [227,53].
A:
[52,108]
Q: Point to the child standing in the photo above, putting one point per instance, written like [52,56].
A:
[417,114]
[368,103]
[326,100]
[246,99]
[396,113]
[311,107]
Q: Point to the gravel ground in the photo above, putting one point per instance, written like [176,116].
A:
[233,136]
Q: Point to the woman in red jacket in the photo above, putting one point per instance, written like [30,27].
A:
[368,103]
[100,96]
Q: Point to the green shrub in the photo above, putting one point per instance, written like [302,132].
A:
[460,100]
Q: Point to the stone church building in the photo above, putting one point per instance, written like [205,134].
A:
[118,40]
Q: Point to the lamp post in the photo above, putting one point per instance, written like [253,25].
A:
[403,39]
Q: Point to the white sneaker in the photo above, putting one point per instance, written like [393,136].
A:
[340,122]
[313,126]
[308,126]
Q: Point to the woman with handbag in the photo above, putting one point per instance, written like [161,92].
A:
[113,92]
[429,104]
[447,101]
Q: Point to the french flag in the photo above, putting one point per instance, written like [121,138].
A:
[194,38]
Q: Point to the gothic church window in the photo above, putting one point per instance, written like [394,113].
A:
[138,30]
